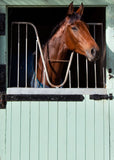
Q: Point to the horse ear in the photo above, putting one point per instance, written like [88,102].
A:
[80,10]
[70,9]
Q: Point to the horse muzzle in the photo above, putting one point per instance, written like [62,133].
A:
[92,55]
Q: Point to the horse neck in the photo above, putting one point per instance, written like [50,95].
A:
[55,49]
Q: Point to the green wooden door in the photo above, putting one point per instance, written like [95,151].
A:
[59,130]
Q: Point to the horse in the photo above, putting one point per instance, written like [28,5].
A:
[71,34]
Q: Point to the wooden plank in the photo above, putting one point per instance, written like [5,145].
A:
[111,130]
[25,130]
[2,133]
[43,144]
[34,130]
[81,130]
[61,131]
[52,128]
[8,130]
[106,129]
[71,130]
[15,131]
[90,128]
[99,130]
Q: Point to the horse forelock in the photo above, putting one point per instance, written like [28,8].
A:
[74,17]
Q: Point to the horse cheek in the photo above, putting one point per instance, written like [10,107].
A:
[69,45]
[69,40]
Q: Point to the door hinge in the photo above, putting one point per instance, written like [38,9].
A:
[101,97]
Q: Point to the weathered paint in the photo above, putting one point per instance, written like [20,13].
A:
[59,130]
[55,2]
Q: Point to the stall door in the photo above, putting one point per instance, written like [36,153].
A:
[60,130]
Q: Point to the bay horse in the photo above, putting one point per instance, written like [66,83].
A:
[71,34]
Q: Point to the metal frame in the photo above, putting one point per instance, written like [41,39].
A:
[38,44]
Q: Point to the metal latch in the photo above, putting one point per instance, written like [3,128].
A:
[110,73]
[2,101]
[101,97]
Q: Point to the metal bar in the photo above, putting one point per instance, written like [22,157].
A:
[102,55]
[44,97]
[86,73]
[36,58]
[95,71]
[78,83]
[18,59]
[95,64]
[103,77]
[69,79]
[26,50]
[10,57]
[97,24]
[44,79]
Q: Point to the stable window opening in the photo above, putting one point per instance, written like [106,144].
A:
[22,58]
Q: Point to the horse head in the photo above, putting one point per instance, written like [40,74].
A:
[77,36]
[71,34]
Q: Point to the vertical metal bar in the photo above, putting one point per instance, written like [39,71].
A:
[18,58]
[10,57]
[86,73]
[44,79]
[36,65]
[69,79]
[26,47]
[78,70]
[95,63]
[95,74]
[103,55]
[103,77]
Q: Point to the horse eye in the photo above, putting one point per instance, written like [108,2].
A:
[74,28]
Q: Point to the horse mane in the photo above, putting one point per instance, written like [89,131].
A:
[72,17]
[56,28]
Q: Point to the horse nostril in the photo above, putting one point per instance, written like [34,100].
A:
[93,51]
